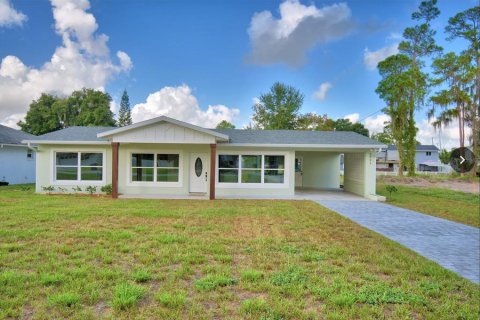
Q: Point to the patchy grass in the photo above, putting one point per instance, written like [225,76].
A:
[80,257]
[452,205]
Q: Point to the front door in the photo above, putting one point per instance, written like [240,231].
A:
[298,172]
[198,172]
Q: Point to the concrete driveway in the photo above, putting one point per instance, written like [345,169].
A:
[452,245]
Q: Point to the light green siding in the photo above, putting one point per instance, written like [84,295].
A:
[321,170]
[360,177]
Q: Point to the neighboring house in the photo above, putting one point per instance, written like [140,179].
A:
[17,160]
[167,157]
[426,159]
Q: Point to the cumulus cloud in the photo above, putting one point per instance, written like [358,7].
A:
[180,103]
[353,117]
[321,93]
[375,124]
[299,28]
[372,58]
[83,60]
[9,16]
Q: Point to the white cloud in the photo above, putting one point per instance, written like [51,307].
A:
[353,117]
[83,60]
[375,124]
[321,93]
[372,58]
[298,29]
[9,16]
[180,103]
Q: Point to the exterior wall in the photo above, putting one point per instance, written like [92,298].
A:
[320,169]
[182,188]
[360,175]
[420,156]
[46,164]
[164,133]
[15,167]
[287,189]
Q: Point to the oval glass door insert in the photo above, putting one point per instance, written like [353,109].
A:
[198,167]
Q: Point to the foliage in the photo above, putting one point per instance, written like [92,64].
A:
[48,189]
[77,189]
[91,189]
[313,121]
[107,189]
[444,156]
[126,295]
[224,124]
[278,109]
[124,113]
[390,189]
[62,189]
[347,125]
[86,107]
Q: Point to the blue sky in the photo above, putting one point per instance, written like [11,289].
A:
[202,61]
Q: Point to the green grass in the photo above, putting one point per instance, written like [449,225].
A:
[443,203]
[82,257]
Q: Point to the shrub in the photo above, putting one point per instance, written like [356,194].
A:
[48,189]
[107,189]
[77,189]
[91,189]
[126,295]
[390,189]
[62,189]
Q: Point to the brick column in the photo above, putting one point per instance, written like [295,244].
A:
[213,158]
[115,146]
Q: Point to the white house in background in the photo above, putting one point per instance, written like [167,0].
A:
[170,158]
[17,161]
[426,159]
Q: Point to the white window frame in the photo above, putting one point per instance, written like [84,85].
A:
[30,152]
[155,183]
[54,180]
[246,185]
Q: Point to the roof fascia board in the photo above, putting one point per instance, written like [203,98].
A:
[296,146]
[162,119]
[65,142]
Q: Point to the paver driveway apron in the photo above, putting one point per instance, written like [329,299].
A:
[454,246]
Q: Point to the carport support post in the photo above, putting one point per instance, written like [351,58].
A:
[115,146]
[213,157]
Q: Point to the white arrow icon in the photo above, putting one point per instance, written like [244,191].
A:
[463,159]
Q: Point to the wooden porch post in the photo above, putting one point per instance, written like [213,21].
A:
[213,158]
[115,146]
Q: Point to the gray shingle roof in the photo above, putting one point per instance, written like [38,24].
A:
[420,147]
[267,137]
[74,134]
[297,137]
[12,136]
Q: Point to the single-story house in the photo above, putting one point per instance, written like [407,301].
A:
[164,156]
[17,160]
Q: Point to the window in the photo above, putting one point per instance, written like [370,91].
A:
[274,169]
[150,167]
[251,169]
[29,154]
[78,166]
[429,153]
[228,168]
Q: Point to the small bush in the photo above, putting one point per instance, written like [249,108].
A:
[48,189]
[390,189]
[211,282]
[107,189]
[91,189]
[77,189]
[66,299]
[62,189]
[126,295]
[172,300]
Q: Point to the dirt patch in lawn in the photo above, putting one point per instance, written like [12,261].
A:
[452,184]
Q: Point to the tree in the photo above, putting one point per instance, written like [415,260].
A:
[279,108]
[465,25]
[41,118]
[86,107]
[347,125]
[419,43]
[444,156]
[386,136]
[313,121]
[224,124]
[124,114]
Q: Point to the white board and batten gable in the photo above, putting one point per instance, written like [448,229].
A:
[163,130]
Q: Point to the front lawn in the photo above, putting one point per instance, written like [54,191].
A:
[443,203]
[83,257]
